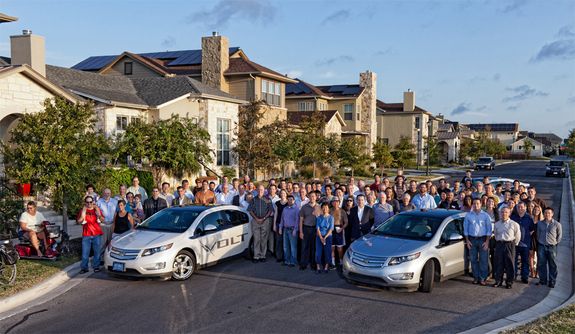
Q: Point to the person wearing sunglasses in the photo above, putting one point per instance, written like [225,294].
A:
[90,217]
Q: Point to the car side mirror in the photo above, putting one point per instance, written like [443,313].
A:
[455,237]
[210,228]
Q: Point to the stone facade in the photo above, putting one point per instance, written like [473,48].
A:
[215,61]
[368,80]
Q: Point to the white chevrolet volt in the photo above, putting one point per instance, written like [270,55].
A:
[175,242]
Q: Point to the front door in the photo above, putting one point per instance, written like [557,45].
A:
[452,251]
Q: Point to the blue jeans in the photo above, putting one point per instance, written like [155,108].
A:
[325,250]
[546,258]
[522,252]
[94,243]
[479,258]
[290,245]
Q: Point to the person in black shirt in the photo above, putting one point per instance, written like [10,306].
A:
[449,203]
[154,203]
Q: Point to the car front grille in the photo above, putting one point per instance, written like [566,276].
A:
[124,254]
[368,261]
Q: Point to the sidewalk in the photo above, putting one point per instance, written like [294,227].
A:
[562,294]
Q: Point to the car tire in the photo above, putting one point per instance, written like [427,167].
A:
[427,277]
[184,266]
[249,252]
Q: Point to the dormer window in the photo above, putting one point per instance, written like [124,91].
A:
[128,66]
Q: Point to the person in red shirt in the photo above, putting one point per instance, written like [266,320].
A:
[90,217]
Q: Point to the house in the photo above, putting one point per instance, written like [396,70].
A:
[551,142]
[333,121]
[216,65]
[506,133]
[448,140]
[518,147]
[118,99]
[396,120]
[355,104]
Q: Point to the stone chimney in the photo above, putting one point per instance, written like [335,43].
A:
[408,101]
[368,80]
[29,49]
[215,61]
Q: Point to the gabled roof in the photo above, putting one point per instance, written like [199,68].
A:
[4,61]
[553,138]
[534,141]
[497,127]
[302,88]
[445,127]
[342,90]
[446,135]
[6,18]
[134,92]
[242,65]
[296,117]
[383,107]
[147,62]
[171,58]
[39,79]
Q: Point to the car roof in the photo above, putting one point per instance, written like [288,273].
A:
[201,208]
[435,213]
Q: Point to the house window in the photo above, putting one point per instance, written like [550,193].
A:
[121,123]
[135,119]
[384,141]
[417,122]
[305,106]
[195,120]
[322,106]
[348,112]
[223,142]
[271,92]
[128,67]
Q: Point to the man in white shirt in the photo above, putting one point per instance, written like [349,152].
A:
[108,206]
[31,225]
[225,196]
[137,189]
[165,194]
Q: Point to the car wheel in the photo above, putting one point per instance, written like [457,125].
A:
[249,252]
[427,275]
[184,266]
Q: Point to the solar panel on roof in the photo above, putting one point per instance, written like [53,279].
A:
[93,63]
[350,90]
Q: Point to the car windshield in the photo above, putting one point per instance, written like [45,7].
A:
[175,221]
[484,160]
[556,163]
[407,226]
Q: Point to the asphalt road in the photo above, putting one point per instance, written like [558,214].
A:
[240,297]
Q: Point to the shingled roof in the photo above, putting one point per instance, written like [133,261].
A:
[383,107]
[296,117]
[121,89]
[302,88]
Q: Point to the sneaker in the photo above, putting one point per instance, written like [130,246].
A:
[551,285]
[96,270]
[508,286]
[497,284]
[83,271]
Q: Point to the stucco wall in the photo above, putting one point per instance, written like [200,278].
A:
[19,95]
[354,124]
[212,110]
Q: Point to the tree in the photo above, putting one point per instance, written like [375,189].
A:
[382,155]
[527,147]
[175,146]
[56,148]
[314,146]
[352,153]
[404,152]
[433,151]
[570,144]
[288,149]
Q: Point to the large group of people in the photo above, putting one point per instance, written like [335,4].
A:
[507,228]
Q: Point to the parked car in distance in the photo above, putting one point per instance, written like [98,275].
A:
[485,163]
[556,168]
[411,250]
[499,180]
[176,241]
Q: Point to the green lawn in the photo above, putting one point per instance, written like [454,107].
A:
[31,273]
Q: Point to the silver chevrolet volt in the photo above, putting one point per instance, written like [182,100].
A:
[411,250]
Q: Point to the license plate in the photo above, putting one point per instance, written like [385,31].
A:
[555,173]
[118,266]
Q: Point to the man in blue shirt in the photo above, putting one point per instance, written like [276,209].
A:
[423,200]
[527,227]
[477,229]
[382,211]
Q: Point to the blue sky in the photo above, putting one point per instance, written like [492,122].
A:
[474,61]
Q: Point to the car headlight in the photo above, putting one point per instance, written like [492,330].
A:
[150,251]
[400,259]
[548,168]
[349,254]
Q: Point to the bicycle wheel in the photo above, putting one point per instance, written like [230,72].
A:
[7,274]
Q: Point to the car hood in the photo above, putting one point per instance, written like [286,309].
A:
[139,239]
[378,245]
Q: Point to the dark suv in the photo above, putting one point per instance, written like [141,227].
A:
[555,168]
[485,163]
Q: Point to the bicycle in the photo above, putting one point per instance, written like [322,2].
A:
[8,259]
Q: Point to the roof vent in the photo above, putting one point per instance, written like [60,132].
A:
[26,32]
[215,33]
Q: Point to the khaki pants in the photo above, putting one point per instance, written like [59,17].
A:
[261,232]
[106,237]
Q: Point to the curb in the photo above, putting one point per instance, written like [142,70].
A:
[52,287]
[557,298]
